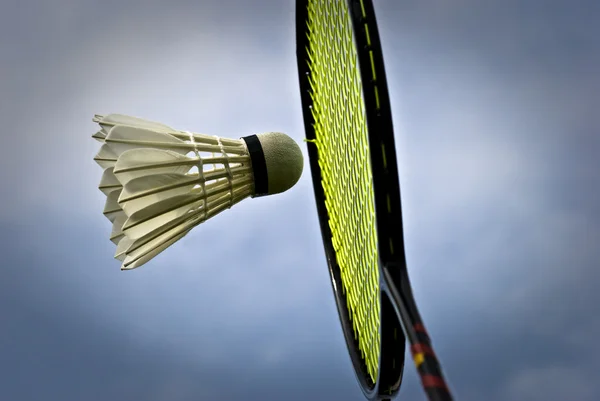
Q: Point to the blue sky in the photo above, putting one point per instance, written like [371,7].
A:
[495,112]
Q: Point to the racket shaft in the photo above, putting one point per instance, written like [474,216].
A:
[424,357]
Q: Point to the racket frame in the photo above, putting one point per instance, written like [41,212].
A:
[399,317]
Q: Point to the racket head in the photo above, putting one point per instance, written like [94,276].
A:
[345,108]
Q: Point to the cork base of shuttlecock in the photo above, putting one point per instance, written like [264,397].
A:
[277,162]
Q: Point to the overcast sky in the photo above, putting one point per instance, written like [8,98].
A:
[496,117]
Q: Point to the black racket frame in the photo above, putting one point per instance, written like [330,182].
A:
[399,316]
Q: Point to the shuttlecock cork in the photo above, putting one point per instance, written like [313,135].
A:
[160,182]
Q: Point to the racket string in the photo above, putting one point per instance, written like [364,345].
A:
[344,158]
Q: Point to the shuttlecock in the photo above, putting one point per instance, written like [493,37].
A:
[160,182]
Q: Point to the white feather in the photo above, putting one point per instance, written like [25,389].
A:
[160,183]
[112,208]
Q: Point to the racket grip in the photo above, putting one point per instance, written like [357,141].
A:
[429,368]
[433,382]
[438,394]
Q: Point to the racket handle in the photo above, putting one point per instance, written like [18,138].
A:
[438,394]
[434,383]
[429,368]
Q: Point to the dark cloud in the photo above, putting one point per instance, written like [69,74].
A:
[61,340]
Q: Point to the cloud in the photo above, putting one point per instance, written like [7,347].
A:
[551,383]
